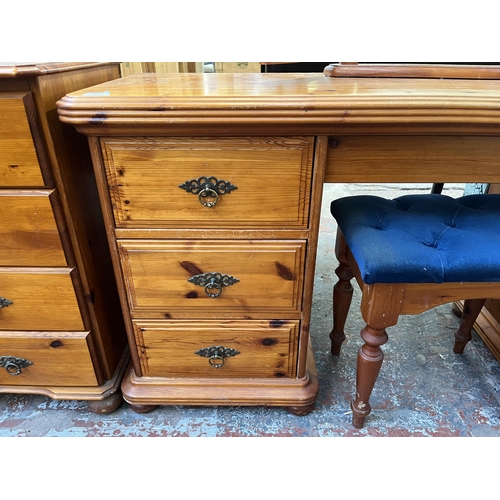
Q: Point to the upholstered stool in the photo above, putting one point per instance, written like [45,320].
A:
[409,255]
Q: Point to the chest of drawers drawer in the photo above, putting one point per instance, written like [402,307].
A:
[213,277]
[20,144]
[39,299]
[264,349]
[46,358]
[261,182]
[29,235]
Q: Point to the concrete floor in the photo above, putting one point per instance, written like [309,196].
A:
[449,395]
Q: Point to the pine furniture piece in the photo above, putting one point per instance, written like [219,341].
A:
[61,329]
[211,186]
[409,255]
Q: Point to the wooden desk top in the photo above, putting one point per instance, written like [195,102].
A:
[301,103]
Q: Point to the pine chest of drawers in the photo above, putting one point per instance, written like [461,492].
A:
[61,330]
[210,233]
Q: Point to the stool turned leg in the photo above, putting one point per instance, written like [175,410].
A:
[342,297]
[370,358]
[471,311]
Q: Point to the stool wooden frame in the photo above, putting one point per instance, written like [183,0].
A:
[381,306]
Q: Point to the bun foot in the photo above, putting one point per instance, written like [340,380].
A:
[142,408]
[106,405]
[300,410]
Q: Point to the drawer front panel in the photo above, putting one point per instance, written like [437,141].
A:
[46,358]
[19,164]
[271,175]
[41,299]
[28,233]
[269,274]
[245,348]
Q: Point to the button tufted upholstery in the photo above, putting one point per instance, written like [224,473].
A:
[429,238]
[414,253]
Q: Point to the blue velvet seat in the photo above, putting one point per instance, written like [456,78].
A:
[428,238]
[408,255]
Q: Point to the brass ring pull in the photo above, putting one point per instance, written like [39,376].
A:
[208,187]
[13,369]
[213,284]
[217,355]
[213,281]
[216,361]
[13,365]
[208,193]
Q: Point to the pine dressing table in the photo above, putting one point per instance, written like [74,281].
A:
[211,187]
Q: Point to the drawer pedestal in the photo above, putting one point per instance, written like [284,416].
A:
[213,244]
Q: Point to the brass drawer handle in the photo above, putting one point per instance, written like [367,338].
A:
[5,302]
[213,281]
[208,189]
[217,354]
[13,365]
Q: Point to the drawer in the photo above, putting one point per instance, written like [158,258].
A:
[28,234]
[46,358]
[253,181]
[41,299]
[217,349]
[169,277]
[19,161]
[412,158]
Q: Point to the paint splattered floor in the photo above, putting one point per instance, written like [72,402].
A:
[449,395]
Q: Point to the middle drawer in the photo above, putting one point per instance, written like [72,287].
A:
[39,299]
[213,278]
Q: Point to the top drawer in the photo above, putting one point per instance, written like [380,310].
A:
[171,182]
[19,165]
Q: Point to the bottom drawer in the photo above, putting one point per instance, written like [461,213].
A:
[46,358]
[217,348]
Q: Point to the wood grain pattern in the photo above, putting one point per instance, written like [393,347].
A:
[270,275]
[59,358]
[266,348]
[43,299]
[412,158]
[298,104]
[274,391]
[272,175]
[52,236]
[321,149]
[19,165]
[29,234]
[418,298]
[453,71]
[71,170]
[30,69]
